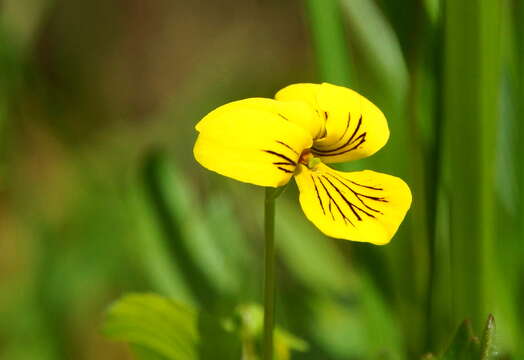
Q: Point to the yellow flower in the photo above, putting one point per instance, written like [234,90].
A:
[266,142]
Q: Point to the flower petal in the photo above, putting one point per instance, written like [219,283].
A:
[300,92]
[363,206]
[355,127]
[253,141]
[298,112]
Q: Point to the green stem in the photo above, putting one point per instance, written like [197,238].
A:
[269,288]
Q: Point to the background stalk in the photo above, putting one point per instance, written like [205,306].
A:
[470,118]
[269,288]
[327,33]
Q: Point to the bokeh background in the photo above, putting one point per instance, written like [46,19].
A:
[100,194]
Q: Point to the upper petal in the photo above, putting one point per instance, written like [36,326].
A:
[253,141]
[354,127]
[300,92]
[297,112]
[363,206]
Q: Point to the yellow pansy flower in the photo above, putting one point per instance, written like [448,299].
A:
[267,141]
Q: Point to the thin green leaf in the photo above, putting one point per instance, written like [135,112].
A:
[230,239]
[195,249]
[163,274]
[487,351]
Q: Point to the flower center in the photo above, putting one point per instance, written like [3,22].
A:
[307,158]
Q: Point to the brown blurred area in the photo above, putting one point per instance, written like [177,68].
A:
[101,73]
[133,59]
[91,86]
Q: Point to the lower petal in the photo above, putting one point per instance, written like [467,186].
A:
[364,206]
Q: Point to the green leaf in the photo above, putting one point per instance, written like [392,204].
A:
[159,328]
[464,345]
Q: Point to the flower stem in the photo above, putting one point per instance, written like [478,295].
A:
[269,287]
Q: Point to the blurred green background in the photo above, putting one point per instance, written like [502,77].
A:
[100,194]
